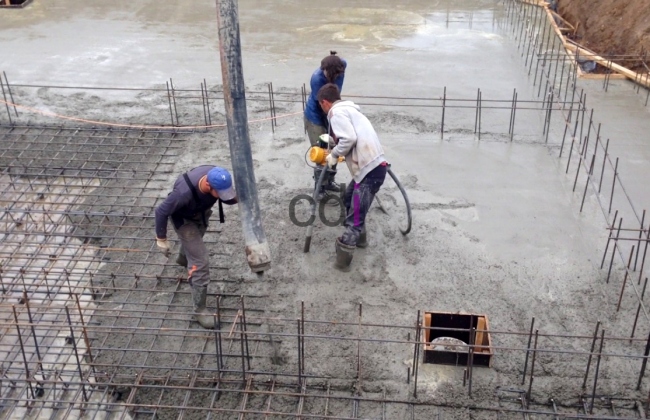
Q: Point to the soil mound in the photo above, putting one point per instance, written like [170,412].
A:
[611,27]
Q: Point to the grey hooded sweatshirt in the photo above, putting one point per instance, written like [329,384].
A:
[357,139]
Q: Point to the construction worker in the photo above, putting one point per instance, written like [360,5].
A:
[189,206]
[331,70]
[356,139]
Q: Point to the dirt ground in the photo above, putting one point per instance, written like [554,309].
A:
[610,27]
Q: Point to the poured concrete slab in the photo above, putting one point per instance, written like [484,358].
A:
[496,224]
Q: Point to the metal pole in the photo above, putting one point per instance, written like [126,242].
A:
[611,197]
[611,233]
[584,194]
[11,95]
[480,109]
[514,115]
[600,354]
[644,363]
[6,102]
[442,123]
[591,353]
[638,247]
[257,250]
[171,86]
[602,172]
[532,367]
[629,263]
[530,339]
[207,101]
[638,310]
[611,261]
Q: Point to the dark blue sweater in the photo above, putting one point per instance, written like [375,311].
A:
[180,203]
[313,111]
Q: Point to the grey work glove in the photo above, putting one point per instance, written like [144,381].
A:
[163,246]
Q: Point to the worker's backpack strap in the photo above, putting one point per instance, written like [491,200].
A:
[221,216]
[195,194]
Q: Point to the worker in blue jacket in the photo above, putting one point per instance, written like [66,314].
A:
[189,206]
[331,70]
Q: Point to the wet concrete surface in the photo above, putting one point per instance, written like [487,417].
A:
[142,43]
[496,225]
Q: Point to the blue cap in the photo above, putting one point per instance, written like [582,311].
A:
[221,181]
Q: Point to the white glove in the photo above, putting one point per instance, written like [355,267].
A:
[163,246]
[332,160]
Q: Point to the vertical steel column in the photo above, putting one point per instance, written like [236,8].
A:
[11,95]
[207,101]
[638,309]
[611,261]
[644,363]
[530,339]
[591,169]
[2,87]
[602,172]
[532,367]
[270,89]
[638,248]
[600,355]
[627,271]
[257,250]
[611,232]
[442,123]
[611,197]
[645,251]
[591,354]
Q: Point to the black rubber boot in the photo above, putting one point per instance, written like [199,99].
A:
[344,254]
[362,242]
[181,260]
[201,313]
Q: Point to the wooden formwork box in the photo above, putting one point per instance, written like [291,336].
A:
[483,351]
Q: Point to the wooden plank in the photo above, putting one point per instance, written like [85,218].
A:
[427,323]
[600,76]
[489,342]
[563,20]
[639,78]
[533,2]
[480,335]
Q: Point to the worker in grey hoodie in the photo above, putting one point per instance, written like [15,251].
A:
[358,142]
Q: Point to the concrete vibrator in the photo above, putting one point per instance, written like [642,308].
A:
[318,155]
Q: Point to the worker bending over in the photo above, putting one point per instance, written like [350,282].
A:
[357,141]
[189,206]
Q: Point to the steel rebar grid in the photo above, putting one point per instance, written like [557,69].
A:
[136,282]
[178,372]
[583,153]
[177,293]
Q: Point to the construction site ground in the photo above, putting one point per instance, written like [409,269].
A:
[497,223]
[610,27]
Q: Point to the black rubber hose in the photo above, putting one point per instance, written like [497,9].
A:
[409,216]
[310,229]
